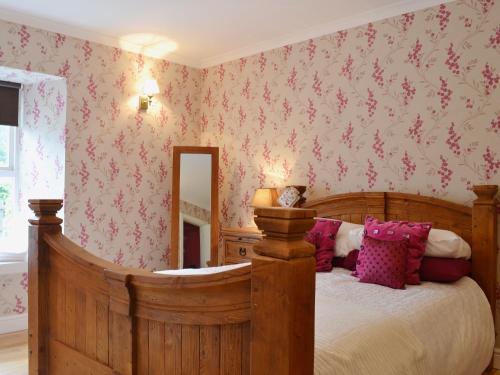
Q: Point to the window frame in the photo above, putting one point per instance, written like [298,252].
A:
[12,171]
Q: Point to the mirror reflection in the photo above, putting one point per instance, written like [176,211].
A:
[194,210]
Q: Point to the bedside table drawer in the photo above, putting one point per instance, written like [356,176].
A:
[238,251]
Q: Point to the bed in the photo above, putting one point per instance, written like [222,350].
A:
[432,328]
[89,316]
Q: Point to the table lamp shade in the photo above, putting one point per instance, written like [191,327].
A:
[265,197]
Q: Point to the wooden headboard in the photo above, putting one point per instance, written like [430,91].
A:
[476,224]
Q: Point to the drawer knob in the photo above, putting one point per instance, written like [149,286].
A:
[243,251]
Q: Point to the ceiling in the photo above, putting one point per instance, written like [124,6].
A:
[205,32]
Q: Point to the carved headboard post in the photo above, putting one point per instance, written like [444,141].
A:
[44,221]
[485,240]
[282,295]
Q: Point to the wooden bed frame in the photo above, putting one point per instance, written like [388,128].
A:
[89,316]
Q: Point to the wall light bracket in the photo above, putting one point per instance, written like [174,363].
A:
[145,102]
[149,89]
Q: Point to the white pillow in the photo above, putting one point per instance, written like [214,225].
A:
[446,244]
[343,242]
[441,243]
[356,237]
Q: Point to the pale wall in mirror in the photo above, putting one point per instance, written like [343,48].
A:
[195,199]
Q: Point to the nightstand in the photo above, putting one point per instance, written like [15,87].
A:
[238,243]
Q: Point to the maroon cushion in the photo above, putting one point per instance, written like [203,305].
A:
[322,236]
[383,262]
[415,233]
[438,270]
[444,270]
[348,262]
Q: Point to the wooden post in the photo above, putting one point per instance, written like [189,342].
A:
[484,240]
[283,291]
[45,221]
[122,332]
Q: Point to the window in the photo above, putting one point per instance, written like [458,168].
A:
[12,246]
[8,173]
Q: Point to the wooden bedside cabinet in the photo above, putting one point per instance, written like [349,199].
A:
[237,244]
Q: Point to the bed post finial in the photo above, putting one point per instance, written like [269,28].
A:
[45,221]
[282,297]
[484,240]
[45,211]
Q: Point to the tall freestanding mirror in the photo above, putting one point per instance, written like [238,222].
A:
[195,207]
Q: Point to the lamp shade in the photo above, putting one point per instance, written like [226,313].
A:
[265,197]
[150,87]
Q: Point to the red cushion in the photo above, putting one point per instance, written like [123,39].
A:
[415,233]
[444,270]
[348,262]
[383,262]
[322,236]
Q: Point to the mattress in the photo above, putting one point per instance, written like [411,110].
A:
[425,329]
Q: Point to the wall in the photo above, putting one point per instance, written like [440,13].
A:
[409,103]
[118,160]
[195,211]
[406,104]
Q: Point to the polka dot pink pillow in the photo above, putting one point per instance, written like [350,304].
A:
[383,262]
[415,233]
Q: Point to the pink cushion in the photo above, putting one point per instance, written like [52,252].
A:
[383,262]
[444,270]
[415,233]
[322,236]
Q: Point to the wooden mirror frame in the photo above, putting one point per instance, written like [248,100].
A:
[214,203]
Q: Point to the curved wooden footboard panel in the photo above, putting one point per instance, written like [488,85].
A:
[89,316]
[125,318]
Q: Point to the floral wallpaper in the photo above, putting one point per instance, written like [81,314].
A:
[41,141]
[409,103]
[195,211]
[117,164]
[117,159]
[41,169]
[16,301]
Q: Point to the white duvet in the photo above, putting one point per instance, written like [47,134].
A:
[426,329]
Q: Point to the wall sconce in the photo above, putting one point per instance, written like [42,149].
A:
[149,89]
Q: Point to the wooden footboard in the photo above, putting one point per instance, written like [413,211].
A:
[89,316]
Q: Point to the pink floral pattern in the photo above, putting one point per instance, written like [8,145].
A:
[409,103]
[116,166]
[196,211]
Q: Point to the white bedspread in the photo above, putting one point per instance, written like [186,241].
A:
[427,329]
